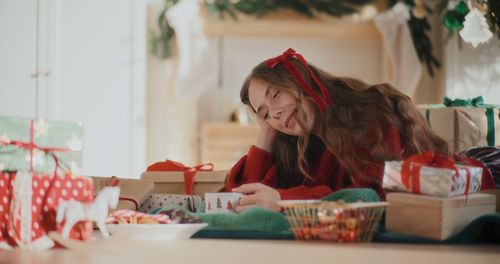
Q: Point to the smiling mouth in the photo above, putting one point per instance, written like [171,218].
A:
[287,123]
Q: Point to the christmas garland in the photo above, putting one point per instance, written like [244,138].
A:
[453,19]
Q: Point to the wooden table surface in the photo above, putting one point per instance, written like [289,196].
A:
[216,251]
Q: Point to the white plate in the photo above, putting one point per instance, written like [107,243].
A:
[158,231]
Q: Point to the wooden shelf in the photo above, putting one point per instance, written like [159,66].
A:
[287,24]
[225,143]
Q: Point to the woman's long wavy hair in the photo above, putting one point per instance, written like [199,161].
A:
[352,128]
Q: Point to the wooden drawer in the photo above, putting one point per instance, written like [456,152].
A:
[223,144]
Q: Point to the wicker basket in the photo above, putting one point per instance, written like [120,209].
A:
[333,221]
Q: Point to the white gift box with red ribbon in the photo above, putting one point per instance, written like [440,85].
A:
[433,175]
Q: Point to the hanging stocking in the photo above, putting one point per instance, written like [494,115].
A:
[196,67]
[405,66]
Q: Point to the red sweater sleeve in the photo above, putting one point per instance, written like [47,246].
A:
[256,166]
[305,192]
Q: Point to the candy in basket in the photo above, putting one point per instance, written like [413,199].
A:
[333,221]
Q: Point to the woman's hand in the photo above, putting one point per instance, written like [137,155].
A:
[257,194]
[267,135]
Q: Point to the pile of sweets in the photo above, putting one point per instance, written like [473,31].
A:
[134,217]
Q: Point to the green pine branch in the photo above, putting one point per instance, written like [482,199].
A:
[419,29]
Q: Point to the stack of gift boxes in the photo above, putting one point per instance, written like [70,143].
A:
[39,167]
[433,196]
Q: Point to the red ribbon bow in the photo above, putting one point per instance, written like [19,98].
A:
[410,170]
[189,172]
[284,58]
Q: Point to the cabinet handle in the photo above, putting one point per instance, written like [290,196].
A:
[35,74]
[47,73]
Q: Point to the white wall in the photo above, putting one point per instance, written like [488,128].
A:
[473,71]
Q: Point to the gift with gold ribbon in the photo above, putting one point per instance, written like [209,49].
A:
[432,174]
[38,170]
[464,123]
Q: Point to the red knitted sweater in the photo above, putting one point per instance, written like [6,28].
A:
[259,166]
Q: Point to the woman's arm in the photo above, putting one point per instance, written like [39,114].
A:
[258,165]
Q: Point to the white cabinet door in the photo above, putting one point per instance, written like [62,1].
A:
[96,83]
[18,49]
[90,60]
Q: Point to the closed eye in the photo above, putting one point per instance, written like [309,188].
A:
[275,96]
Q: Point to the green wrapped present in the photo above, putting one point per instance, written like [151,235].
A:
[37,145]
[464,123]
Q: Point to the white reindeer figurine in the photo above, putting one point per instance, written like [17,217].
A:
[73,211]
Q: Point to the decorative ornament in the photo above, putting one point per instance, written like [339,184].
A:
[453,19]
[419,9]
[73,212]
[476,30]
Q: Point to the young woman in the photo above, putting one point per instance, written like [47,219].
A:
[321,133]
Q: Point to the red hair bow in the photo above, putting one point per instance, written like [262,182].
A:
[322,103]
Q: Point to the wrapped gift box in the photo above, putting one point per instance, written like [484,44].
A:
[61,139]
[39,167]
[464,127]
[160,200]
[435,217]
[441,182]
[133,192]
[28,204]
[172,182]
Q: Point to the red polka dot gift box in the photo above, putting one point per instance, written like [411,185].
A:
[28,206]
[39,168]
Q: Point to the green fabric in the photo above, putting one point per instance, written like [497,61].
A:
[258,223]
[48,134]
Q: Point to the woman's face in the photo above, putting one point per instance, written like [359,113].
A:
[277,108]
